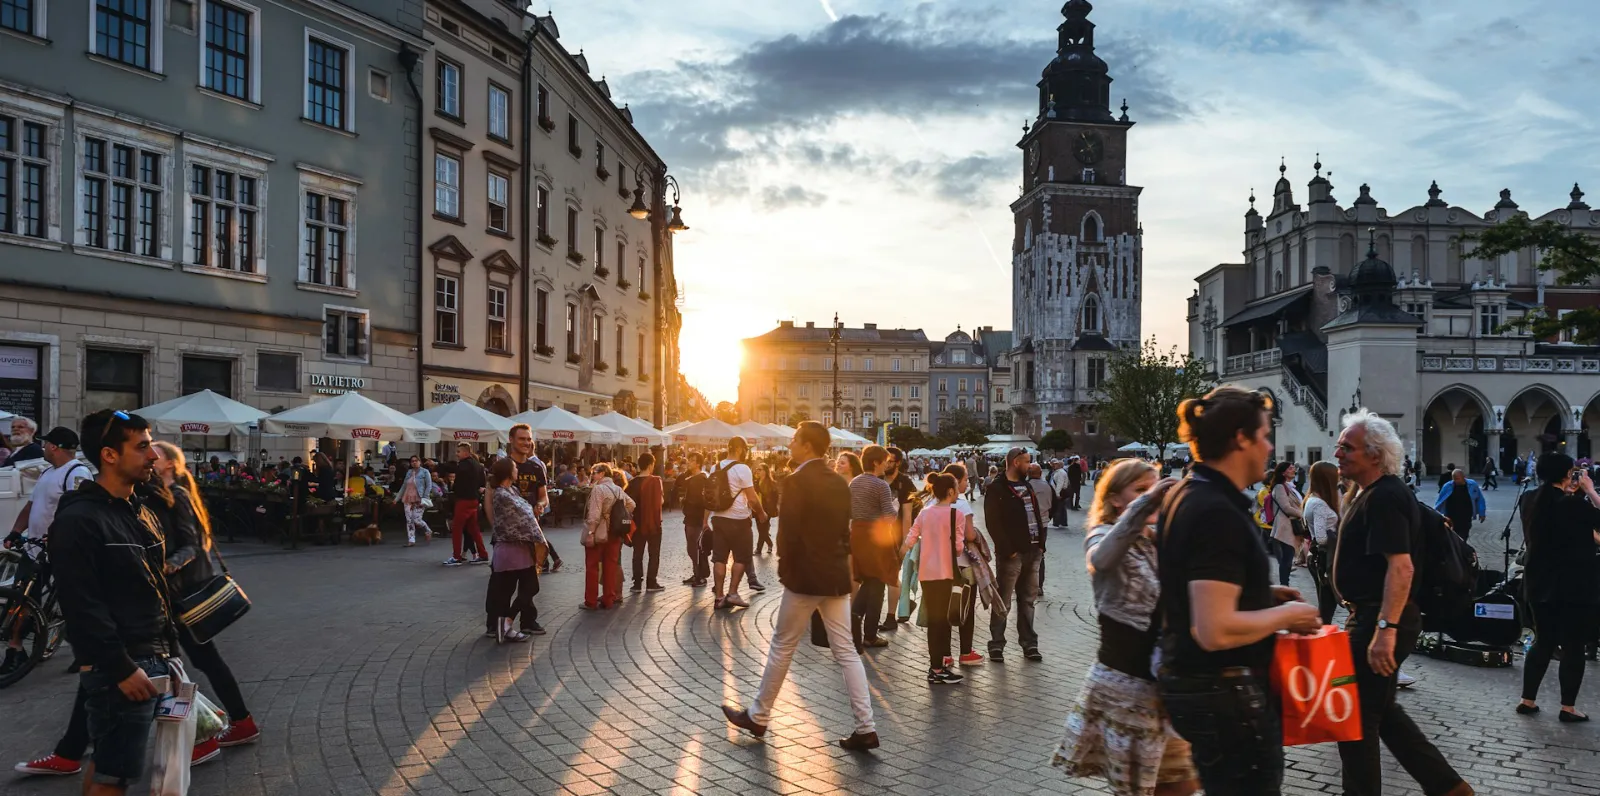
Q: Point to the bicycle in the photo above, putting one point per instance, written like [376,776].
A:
[29,614]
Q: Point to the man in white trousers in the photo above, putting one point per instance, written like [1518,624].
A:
[814,568]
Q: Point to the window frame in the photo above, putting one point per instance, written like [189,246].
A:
[298,359]
[504,206]
[505,112]
[500,321]
[253,58]
[156,29]
[142,142]
[441,97]
[541,319]
[38,20]
[215,160]
[541,213]
[443,189]
[23,111]
[345,313]
[347,89]
[574,342]
[446,306]
[345,189]
[915,418]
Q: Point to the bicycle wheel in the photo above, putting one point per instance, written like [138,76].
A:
[21,619]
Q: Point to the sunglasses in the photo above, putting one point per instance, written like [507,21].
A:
[115,416]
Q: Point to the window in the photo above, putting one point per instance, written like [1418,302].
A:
[499,112]
[112,379]
[944,385]
[894,391]
[894,364]
[572,136]
[802,363]
[596,339]
[977,385]
[229,51]
[622,276]
[572,332]
[224,218]
[641,356]
[499,201]
[1313,455]
[999,394]
[916,391]
[327,226]
[121,198]
[783,390]
[126,30]
[866,418]
[977,404]
[1418,309]
[849,363]
[894,418]
[344,333]
[961,385]
[497,319]
[207,373]
[959,356]
[447,89]
[572,230]
[1091,427]
[24,177]
[866,363]
[541,320]
[620,357]
[327,64]
[18,15]
[867,391]
[802,391]
[600,158]
[916,419]
[827,363]
[1091,314]
[1097,372]
[599,247]
[944,404]
[543,104]
[446,310]
[446,185]
[1489,320]
[541,201]
[827,417]
[644,284]
[961,401]
[278,372]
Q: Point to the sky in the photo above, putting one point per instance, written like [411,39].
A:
[859,156]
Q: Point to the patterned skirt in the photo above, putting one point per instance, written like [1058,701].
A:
[1118,731]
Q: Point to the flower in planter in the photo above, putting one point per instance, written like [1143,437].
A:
[573,359]
[545,240]
[623,371]
[644,295]
[624,284]
[545,350]
[601,366]
[575,257]
[602,272]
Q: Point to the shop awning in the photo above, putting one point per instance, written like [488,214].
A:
[1298,300]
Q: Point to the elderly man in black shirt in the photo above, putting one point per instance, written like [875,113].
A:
[1374,574]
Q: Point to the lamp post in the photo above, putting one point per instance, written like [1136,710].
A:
[662,223]
[833,337]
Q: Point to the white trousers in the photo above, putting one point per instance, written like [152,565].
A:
[794,625]
[413,519]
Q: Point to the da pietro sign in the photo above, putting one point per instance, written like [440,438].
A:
[325,384]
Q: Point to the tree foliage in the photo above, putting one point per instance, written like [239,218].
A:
[907,437]
[1140,395]
[1056,440]
[797,417]
[1002,422]
[728,413]
[963,427]
[1573,255]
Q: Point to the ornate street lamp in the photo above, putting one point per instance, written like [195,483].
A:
[641,211]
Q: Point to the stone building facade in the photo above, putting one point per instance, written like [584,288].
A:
[882,376]
[997,344]
[1337,306]
[1077,254]
[207,195]
[958,378]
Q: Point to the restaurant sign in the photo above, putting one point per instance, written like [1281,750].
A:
[366,433]
[326,384]
[195,428]
[463,435]
[564,435]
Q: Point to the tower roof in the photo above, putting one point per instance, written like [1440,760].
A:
[1371,287]
[1076,85]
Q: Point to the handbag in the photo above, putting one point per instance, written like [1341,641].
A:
[210,609]
[1297,525]
[1315,677]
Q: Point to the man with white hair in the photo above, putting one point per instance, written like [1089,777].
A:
[1374,574]
[23,445]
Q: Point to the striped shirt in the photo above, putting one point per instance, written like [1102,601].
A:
[871,498]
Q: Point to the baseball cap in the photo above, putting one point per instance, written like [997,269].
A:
[62,437]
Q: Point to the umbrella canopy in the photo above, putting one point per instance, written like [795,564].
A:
[761,434]
[846,439]
[4,415]
[1135,447]
[459,421]
[705,432]
[786,431]
[204,412]
[675,426]
[633,430]
[350,416]
[563,426]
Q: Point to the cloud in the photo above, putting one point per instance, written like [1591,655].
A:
[775,198]
[965,179]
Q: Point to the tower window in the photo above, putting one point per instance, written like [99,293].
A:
[1091,314]
[1091,228]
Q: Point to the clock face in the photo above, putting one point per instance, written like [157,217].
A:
[1088,148]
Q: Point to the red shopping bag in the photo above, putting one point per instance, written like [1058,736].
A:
[1315,679]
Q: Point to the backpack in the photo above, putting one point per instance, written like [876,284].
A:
[1446,571]
[1264,513]
[718,493]
[620,523]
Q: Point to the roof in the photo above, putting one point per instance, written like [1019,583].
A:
[997,342]
[787,332]
[1093,342]
[1296,299]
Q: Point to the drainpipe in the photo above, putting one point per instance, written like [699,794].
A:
[526,190]
[408,61]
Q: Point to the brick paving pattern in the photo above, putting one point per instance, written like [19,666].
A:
[369,673]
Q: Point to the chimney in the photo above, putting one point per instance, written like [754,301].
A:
[785,324]
[811,325]
[869,326]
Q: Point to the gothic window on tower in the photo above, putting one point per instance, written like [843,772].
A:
[1088,176]
[1091,314]
[1091,228]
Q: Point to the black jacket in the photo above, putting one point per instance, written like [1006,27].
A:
[187,548]
[814,543]
[107,554]
[1008,518]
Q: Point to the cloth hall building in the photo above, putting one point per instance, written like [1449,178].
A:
[1340,306]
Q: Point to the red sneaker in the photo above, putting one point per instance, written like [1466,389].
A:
[204,750]
[241,732]
[53,765]
[971,659]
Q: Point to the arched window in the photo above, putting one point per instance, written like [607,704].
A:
[1027,235]
[1091,314]
[1347,253]
[1091,227]
[1419,256]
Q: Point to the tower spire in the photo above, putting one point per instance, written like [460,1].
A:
[1078,80]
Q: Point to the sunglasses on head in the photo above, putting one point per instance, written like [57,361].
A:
[115,416]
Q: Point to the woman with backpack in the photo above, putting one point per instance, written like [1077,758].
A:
[938,528]
[1559,525]
[602,539]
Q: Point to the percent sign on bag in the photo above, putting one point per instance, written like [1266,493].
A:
[1326,697]
[1314,676]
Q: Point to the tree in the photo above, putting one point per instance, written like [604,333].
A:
[728,413]
[797,417]
[1057,440]
[1572,254]
[1002,422]
[1140,395]
[963,427]
[907,437]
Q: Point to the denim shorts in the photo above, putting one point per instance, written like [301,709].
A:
[119,729]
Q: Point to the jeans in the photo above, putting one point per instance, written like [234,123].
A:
[1568,626]
[794,624]
[1019,576]
[511,595]
[1321,574]
[1234,729]
[866,608]
[764,529]
[646,542]
[118,728]
[1383,719]
[602,562]
[1285,555]
[465,519]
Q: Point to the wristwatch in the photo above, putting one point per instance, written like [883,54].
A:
[1384,624]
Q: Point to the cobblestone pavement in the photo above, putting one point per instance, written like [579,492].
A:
[369,673]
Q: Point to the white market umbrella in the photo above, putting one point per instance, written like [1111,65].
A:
[675,426]
[786,431]
[633,430]
[563,426]
[1135,447]
[760,434]
[459,421]
[350,416]
[706,432]
[204,412]
[4,415]
[846,439]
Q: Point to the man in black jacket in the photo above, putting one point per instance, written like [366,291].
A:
[1016,524]
[108,552]
[814,567]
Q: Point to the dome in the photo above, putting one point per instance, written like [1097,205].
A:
[1372,275]
[958,336]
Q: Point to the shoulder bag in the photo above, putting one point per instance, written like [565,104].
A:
[210,609]
[956,609]
[1297,525]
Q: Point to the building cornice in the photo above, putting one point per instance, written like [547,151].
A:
[1076,190]
[369,23]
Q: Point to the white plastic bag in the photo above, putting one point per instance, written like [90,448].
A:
[211,720]
[169,770]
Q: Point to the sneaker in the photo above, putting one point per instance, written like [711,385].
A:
[690,581]
[874,642]
[860,742]
[453,562]
[556,567]
[970,659]
[481,560]
[1403,680]
[735,600]
[205,750]
[755,585]
[51,766]
[997,656]
[241,732]
[1033,655]
[944,676]
[637,586]
[534,629]
[654,587]
[949,661]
